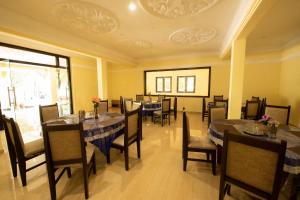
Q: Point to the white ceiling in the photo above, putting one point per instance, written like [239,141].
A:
[278,29]
[155,29]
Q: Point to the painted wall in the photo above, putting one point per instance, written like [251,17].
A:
[290,82]
[84,83]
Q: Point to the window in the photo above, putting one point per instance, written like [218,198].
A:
[163,84]
[186,84]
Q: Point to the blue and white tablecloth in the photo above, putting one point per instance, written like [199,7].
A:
[287,133]
[104,130]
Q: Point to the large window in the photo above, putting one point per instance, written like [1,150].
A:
[164,84]
[181,82]
[186,84]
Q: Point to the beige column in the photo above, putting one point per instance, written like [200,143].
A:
[237,66]
[102,78]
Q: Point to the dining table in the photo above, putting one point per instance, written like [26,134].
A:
[149,107]
[101,131]
[290,134]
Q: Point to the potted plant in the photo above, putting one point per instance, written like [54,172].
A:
[96,102]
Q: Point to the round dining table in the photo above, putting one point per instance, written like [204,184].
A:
[288,133]
[100,132]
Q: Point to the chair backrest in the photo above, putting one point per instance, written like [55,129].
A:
[128,102]
[175,106]
[103,106]
[13,135]
[252,109]
[64,144]
[166,105]
[279,113]
[133,125]
[220,103]
[160,97]
[218,97]
[48,112]
[147,98]
[261,160]
[262,107]
[253,98]
[139,97]
[185,131]
[121,104]
[216,113]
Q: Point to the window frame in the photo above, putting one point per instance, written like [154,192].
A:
[57,64]
[185,88]
[163,82]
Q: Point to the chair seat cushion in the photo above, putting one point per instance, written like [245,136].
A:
[34,147]
[201,142]
[157,112]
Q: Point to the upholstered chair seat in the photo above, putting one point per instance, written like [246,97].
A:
[201,142]
[34,147]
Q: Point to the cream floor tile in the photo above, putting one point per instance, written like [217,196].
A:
[157,175]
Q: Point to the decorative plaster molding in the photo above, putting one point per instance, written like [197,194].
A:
[84,16]
[176,8]
[192,36]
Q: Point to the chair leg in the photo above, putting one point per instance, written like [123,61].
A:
[126,159]
[138,146]
[69,172]
[228,189]
[185,155]
[94,164]
[108,157]
[13,160]
[85,182]
[219,154]
[162,120]
[22,168]
[213,162]
[169,117]
[51,179]
[221,190]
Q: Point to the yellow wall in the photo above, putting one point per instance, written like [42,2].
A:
[290,82]
[84,83]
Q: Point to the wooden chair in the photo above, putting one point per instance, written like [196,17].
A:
[174,108]
[218,97]
[279,113]
[48,112]
[132,133]
[128,103]
[204,109]
[139,97]
[160,97]
[103,106]
[253,165]
[121,105]
[252,110]
[20,151]
[216,113]
[196,144]
[253,98]
[262,107]
[65,148]
[164,113]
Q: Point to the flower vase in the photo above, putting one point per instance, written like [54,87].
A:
[96,112]
[272,129]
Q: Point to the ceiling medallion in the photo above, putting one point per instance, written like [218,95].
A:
[176,8]
[141,44]
[85,16]
[192,36]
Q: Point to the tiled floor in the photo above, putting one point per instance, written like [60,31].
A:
[157,175]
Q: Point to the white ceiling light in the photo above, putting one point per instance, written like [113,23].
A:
[132,7]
